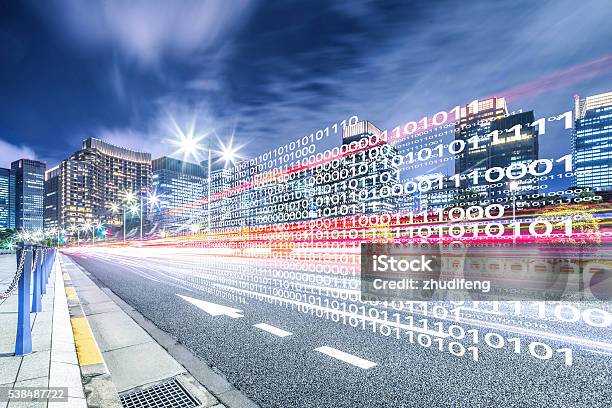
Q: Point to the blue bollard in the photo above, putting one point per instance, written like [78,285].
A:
[51,261]
[23,342]
[43,269]
[37,291]
[43,255]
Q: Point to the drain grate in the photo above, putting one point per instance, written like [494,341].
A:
[169,394]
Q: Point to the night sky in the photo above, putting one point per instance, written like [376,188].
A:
[270,72]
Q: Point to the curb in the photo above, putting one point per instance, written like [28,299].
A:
[98,386]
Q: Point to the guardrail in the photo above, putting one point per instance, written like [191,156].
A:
[34,265]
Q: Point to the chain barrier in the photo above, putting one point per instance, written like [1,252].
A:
[11,288]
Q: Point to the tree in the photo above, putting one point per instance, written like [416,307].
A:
[7,238]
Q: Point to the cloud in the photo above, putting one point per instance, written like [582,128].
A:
[277,71]
[146,30]
[9,153]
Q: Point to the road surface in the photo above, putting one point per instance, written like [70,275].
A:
[281,354]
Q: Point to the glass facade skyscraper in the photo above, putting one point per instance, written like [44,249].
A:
[27,196]
[52,197]
[177,184]
[592,142]
[516,143]
[5,207]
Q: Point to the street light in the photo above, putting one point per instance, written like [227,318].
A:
[129,198]
[97,227]
[73,228]
[152,200]
[188,144]
[86,228]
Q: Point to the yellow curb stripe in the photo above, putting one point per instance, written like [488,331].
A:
[66,277]
[71,293]
[86,346]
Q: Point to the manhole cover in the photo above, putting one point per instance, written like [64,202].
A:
[169,394]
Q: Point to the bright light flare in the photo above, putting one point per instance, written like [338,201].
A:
[187,141]
[129,196]
[153,200]
[228,152]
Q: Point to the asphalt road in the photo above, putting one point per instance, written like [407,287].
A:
[288,372]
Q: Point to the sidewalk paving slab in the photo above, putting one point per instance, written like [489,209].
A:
[52,362]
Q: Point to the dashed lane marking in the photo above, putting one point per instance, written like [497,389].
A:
[274,330]
[346,357]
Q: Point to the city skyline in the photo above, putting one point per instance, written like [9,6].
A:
[90,187]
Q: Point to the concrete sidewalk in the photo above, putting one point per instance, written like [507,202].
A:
[111,340]
[53,361]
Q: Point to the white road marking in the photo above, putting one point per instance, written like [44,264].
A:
[346,357]
[336,311]
[598,352]
[274,330]
[213,309]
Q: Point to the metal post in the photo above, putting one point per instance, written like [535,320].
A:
[43,269]
[209,179]
[123,223]
[141,215]
[37,291]
[23,341]
[50,258]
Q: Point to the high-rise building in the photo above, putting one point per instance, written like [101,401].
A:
[218,211]
[516,145]
[5,207]
[93,182]
[592,142]
[492,138]
[382,170]
[222,213]
[28,177]
[474,125]
[177,185]
[441,197]
[51,200]
[76,192]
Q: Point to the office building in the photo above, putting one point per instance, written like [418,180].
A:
[436,198]
[492,138]
[51,200]
[592,142]
[382,171]
[93,182]
[28,179]
[5,207]
[475,125]
[220,211]
[177,185]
